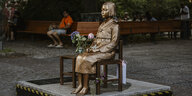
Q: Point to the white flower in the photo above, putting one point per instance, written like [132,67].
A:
[83,39]
[90,36]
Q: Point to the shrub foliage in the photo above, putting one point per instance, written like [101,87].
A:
[161,9]
[50,9]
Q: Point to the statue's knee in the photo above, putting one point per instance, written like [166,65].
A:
[79,58]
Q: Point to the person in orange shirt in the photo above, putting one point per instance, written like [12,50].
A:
[65,23]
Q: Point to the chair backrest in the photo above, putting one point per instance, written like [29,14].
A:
[119,49]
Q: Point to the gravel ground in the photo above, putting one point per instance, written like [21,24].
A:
[167,62]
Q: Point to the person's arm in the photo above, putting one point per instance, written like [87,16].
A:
[185,11]
[60,24]
[69,23]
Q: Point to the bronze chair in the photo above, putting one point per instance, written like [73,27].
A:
[72,74]
[105,63]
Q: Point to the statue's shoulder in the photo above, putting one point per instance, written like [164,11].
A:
[115,23]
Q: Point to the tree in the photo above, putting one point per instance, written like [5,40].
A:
[160,9]
[50,9]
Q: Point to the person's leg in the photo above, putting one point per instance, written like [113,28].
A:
[169,34]
[185,30]
[12,32]
[12,35]
[85,88]
[182,29]
[175,35]
[188,30]
[15,33]
[50,33]
[80,82]
[7,32]
[55,34]
[9,29]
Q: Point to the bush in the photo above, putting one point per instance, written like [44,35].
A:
[161,9]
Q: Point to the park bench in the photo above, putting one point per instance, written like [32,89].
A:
[41,27]
[149,27]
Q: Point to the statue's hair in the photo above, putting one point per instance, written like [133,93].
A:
[112,11]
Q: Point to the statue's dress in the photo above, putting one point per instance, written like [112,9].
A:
[104,44]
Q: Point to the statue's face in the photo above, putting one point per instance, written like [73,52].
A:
[105,11]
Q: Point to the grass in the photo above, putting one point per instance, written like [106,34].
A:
[7,50]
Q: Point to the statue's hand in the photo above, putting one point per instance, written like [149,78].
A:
[92,49]
[87,50]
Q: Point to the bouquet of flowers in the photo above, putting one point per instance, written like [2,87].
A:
[81,42]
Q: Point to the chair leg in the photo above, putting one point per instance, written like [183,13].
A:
[61,70]
[73,73]
[120,77]
[105,74]
[97,76]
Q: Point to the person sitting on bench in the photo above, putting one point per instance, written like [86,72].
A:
[65,23]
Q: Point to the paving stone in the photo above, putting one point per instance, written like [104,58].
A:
[132,88]
[168,63]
